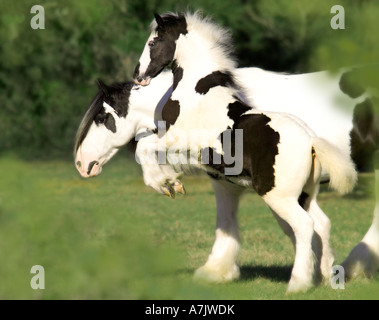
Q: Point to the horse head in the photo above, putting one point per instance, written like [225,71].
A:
[160,47]
[104,128]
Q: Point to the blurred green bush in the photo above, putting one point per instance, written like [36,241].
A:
[47,76]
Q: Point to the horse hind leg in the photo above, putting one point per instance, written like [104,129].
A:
[301,224]
[221,264]
[321,243]
[363,260]
[322,225]
[322,252]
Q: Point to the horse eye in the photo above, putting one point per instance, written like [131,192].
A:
[100,119]
[151,43]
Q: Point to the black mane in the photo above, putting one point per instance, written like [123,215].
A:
[116,95]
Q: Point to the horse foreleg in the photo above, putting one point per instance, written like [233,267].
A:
[156,173]
[221,264]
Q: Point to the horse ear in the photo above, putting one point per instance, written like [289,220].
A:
[102,86]
[159,20]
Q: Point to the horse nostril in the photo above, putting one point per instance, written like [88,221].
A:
[139,79]
[90,166]
[78,164]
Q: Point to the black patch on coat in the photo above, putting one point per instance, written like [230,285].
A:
[106,119]
[237,109]
[260,147]
[117,96]
[162,47]
[211,158]
[170,112]
[110,124]
[178,74]
[350,85]
[216,78]
[364,136]
[303,200]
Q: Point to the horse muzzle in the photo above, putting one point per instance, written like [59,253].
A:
[91,169]
[142,81]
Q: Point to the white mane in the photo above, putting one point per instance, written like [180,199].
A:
[218,39]
[216,35]
[214,38]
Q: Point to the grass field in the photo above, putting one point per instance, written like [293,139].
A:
[111,237]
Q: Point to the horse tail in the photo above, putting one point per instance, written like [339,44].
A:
[341,169]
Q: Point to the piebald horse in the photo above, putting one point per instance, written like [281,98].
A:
[122,111]
[277,154]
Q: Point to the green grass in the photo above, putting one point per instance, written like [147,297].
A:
[111,237]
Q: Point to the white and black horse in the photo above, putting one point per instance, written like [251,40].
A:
[340,107]
[121,111]
[280,157]
[135,110]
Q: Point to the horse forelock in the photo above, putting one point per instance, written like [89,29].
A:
[117,97]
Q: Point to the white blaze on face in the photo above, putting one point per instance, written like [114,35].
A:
[101,144]
[91,151]
[144,61]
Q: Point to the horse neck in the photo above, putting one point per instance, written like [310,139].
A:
[199,57]
[144,102]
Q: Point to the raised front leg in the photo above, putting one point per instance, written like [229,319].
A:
[156,172]
[221,264]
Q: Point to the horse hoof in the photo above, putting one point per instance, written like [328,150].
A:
[298,287]
[179,188]
[211,275]
[168,190]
